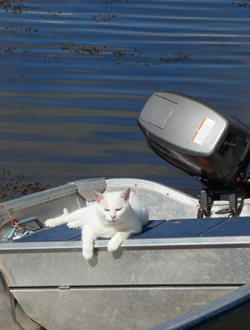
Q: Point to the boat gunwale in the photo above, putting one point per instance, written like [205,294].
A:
[39,198]
[167,243]
[72,188]
[154,186]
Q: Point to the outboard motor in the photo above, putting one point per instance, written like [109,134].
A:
[200,140]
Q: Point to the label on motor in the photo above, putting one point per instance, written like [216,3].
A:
[203,131]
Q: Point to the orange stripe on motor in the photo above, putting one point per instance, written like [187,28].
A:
[199,129]
[204,161]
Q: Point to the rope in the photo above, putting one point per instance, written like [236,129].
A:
[9,294]
[15,225]
[11,218]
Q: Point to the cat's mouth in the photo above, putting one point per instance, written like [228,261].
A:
[112,220]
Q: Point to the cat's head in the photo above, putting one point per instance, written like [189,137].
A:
[112,206]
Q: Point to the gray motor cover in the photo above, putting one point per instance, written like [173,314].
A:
[195,136]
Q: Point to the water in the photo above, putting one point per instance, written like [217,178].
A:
[76,74]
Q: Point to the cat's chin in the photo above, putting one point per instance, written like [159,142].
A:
[111,221]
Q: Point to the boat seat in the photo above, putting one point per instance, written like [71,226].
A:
[236,226]
[58,233]
[178,228]
[206,227]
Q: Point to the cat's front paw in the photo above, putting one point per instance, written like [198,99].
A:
[51,223]
[74,224]
[87,253]
[113,245]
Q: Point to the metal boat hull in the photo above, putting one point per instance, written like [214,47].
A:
[146,282]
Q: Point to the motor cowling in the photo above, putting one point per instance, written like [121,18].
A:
[196,137]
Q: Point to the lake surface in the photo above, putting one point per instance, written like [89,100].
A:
[76,74]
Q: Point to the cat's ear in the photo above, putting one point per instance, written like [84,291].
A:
[98,196]
[125,194]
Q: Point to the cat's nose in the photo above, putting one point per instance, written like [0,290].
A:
[112,217]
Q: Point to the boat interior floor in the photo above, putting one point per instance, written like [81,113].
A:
[176,228]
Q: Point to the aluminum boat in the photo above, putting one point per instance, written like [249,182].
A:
[187,269]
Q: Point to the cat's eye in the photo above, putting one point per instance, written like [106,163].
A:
[118,209]
[107,210]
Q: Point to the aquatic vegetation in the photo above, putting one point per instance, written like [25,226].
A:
[105,18]
[51,57]
[103,52]
[15,30]
[130,57]
[18,186]
[52,15]
[10,49]
[109,2]
[97,51]
[178,56]
[14,50]
[85,49]
[14,6]
[242,3]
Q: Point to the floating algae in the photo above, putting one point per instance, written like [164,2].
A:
[18,186]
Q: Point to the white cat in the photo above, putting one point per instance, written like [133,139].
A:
[115,215]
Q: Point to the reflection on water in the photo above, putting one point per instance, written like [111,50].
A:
[75,76]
